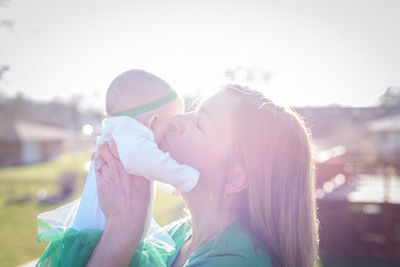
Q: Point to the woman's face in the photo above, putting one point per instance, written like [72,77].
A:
[202,139]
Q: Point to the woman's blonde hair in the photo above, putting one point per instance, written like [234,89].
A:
[273,146]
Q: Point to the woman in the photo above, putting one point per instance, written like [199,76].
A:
[254,204]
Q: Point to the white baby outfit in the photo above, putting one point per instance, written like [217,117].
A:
[140,156]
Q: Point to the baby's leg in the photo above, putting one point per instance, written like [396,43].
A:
[90,215]
[149,214]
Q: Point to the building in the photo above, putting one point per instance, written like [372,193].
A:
[386,135]
[23,142]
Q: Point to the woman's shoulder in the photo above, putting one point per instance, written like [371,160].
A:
[234,247]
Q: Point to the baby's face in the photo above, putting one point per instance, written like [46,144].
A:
[168,111]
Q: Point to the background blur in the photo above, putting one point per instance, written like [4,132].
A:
[334,62]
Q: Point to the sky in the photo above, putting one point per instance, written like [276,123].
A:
[317,52]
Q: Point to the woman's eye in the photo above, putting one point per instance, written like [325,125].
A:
[198,126]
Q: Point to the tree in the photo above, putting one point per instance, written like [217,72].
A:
[3,69]
[391,97]
[248,75]
[9,25]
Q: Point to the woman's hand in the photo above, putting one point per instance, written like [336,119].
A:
[125,200]
[122,196]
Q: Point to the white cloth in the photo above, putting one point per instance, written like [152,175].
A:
[140,156]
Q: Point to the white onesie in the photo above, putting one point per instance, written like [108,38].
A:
[140,156]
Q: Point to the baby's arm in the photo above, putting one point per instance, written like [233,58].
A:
[140,155]
[144,158]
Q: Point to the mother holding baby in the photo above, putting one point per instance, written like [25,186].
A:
[254,203]
[252,206]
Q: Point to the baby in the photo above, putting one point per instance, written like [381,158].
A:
[139,105]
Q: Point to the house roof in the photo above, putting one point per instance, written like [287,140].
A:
[386,124]
[23,131]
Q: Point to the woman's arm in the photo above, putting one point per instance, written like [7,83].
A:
[124,200]
[117,245]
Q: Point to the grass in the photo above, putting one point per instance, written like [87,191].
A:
[18,228]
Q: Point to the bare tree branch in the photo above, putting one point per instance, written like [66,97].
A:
[3,68]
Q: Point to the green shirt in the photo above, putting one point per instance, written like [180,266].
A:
[234,247]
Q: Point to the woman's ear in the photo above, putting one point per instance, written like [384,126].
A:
[236,181]
[152,121]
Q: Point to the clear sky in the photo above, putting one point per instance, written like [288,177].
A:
[319,52]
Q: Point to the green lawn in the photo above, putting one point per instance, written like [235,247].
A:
[18,229]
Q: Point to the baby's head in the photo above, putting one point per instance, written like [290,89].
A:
[136,88]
